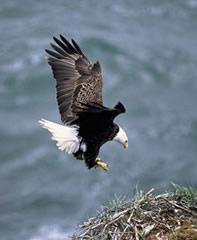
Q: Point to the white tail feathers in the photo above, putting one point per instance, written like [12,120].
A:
[66,137]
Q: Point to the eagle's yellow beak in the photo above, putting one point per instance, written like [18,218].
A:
[126,144]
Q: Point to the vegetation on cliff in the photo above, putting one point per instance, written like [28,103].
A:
[168,216]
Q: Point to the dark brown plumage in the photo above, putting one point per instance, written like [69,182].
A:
[77,80]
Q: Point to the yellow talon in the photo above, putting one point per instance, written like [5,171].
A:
[99,163]
[102,164]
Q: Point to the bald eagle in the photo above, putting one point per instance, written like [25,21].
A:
[88,124]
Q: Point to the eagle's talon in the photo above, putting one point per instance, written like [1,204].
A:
[101,164]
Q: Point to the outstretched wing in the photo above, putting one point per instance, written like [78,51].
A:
[96,116]
[77,80]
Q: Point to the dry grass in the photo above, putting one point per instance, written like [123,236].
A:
[169,216]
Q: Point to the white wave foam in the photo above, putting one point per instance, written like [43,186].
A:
[51,233]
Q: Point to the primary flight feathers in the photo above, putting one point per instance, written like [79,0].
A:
[77,80]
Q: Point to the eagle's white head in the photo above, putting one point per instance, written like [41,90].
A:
[121,137]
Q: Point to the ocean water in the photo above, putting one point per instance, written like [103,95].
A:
[149,61]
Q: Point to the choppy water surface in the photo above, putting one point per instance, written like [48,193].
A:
[148,54]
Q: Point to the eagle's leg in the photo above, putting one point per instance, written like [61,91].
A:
[99,163]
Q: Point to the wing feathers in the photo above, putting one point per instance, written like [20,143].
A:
[68,44]
[62,52]
[77,80]
[97,114]
[96,68]
[63,46]
[78,48]
[120,108]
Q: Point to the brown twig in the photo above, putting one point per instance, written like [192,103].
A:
[178,206]
[136,233]
[138,204]
[124,231]
[115,218]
